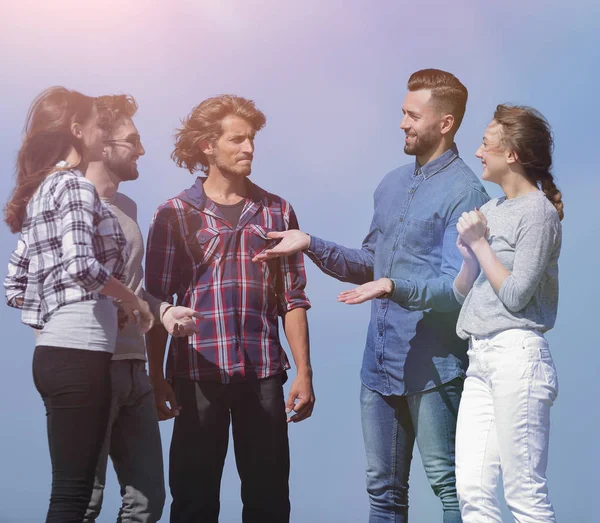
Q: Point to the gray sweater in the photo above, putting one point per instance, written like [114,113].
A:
[130,343]
[525,234]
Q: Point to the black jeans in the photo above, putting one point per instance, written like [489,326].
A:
[199,446]
[75,387]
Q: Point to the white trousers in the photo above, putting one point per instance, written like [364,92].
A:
[504,425]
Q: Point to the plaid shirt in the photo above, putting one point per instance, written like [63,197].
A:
[69,246]
[193,252]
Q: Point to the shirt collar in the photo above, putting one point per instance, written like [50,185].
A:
[441,162]
[196,196]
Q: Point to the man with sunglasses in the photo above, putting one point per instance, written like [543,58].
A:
[133,438]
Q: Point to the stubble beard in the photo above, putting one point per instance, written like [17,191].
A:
[422,144]
[239,172]
[124,170]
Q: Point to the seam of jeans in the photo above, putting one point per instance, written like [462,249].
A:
[394,455]
[530,482]
[482,497]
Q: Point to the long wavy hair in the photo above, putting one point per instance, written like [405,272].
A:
[525,131]
[47,139]
[204,124]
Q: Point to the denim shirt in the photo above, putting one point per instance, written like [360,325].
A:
[412,344]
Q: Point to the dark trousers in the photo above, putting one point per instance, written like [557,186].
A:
[199,445]
[75,387]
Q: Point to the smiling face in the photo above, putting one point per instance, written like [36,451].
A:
[422,123]
[123,149]
[495,157]
[233,151]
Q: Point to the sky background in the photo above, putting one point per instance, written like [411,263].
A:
[331,77]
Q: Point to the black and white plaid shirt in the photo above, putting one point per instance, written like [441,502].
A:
[70,245]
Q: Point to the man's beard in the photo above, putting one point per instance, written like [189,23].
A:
[423,144]
[228,171]
[125,170]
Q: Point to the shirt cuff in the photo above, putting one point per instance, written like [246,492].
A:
[13,297]
[316,246]
[401,291]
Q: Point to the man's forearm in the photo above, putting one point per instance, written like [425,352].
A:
[156,341]
[295,324]
[343,263]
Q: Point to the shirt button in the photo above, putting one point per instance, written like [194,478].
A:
[411,191]
[401,220]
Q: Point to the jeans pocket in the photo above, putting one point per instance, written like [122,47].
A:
[542,358]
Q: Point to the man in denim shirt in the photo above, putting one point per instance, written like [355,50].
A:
[414,364]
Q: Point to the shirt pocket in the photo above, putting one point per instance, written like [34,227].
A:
[257,240]
[205,245]
[418,236]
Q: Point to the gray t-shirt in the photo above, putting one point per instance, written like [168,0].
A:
[130,343]
[526,235]
[88,325]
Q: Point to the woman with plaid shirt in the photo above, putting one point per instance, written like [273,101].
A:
[69,261]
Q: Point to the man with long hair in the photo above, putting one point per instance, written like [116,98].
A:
[200,248]
[414,364]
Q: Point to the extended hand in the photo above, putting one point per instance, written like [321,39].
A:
[301,399]
[472,227]
[368,291]
[138,312]
[292,241]
[164,399]
[179,321]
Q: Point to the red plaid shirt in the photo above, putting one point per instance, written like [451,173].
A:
[195,254]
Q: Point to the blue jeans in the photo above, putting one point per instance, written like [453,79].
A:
[391,424]
[133,443]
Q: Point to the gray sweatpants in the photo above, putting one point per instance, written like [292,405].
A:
[133,443]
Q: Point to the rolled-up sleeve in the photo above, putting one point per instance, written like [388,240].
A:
[292,274]
[163,270]
[15,282]
[76,199]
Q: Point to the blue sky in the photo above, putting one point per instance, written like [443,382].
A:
[331,77]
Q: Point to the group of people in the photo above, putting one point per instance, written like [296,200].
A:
[462,290]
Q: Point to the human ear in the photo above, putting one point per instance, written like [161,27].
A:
[447,123]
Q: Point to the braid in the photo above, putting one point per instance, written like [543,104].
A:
[551,191]
[528,133]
